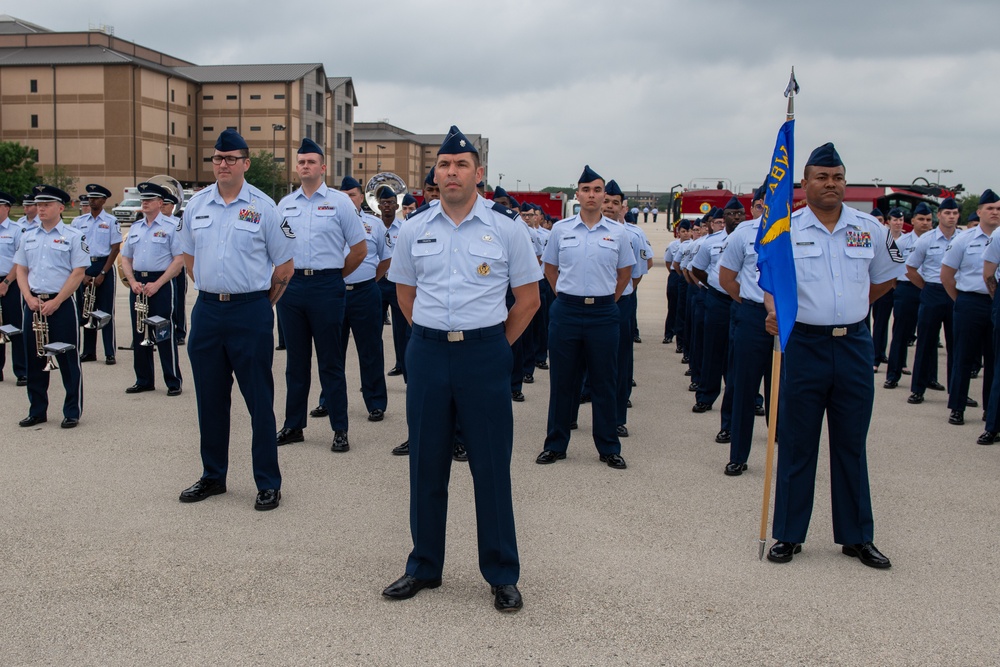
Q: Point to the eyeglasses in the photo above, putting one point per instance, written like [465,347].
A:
[228,159]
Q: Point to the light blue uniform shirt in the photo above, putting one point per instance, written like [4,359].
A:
[323,225]
[375,250]
[10,238]
[691,252]
[391,234]
[681,253]
[101,232]
[588,259]
[740,256]
[152,247]
[51,256]
[927,254]
[640,252]
[707,258]
[905,243]
[461,272]
[235,246]
[835,270]
[543,238]
[965,254]
[29,224]
[670,254]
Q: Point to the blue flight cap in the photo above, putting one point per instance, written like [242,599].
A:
[684,224]
[429,179]
[877,213]
[514,203]
[385,192]
[630,218]
[973,217]
[735,205]
[47,193]
[948,204]
[588,176]
[923,209]
[500,192]
[988,197]
[825,156]
[349,184]
[896,212]
[760,192]
[7,199]
[696,223]
[481,184]
[718,214]
[409,200]
[230,140]
[456,142]
[310,146]
[613,189]
[152,191]
[95,191]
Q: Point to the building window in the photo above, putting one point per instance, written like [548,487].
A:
[309,102]
[208,128]
[208,97]
[34,120]
[189,131]
[347,112]
[319,103]
[171,95]
[207,159]
[319,77]
[309,133]
[230,97]
[361,166]
[33,85]
[279,96]
[189,100]
[189,163]
[173,160]
[361,149]
[340,113]
[319,131]
[173,131]
[340,140]
[255,128]
[255,97]
[347,139]
[340,171]
[279,159]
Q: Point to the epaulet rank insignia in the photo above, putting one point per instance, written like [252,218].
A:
[420,209]
[500,208]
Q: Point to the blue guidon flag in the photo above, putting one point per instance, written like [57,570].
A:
[774,238]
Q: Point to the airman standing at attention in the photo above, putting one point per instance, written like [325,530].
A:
[10,293]
[104,236]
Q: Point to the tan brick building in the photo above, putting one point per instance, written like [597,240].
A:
[116,113]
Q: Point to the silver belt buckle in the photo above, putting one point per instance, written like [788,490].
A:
[456,336]
[307,272]
[349,287]
[144,274]
[588,301]
[839,331]
[223,297]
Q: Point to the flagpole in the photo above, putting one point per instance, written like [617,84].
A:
[772,422]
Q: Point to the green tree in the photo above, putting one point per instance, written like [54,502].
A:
[18,173]
[266,174]
[60,178]
[569,192]
[967,204]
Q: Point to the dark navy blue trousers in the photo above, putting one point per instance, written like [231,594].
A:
[973,328]
[825,376]
[10,304]
[312,313]
[105,300]
[583,337]
[363,319]
[547,297]
[935,313]
[161,304]
[400,327]
[905,308]
[716,346]
[752,352]
[670,327]
[683,326]
[227,338]
[466,385]
[726,413]
[626,359]
[992,410]
[64,327]
[881,310]
[697,340]
[180,299]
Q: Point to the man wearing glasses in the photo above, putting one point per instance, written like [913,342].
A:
[238,250]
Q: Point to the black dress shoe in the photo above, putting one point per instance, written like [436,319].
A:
[22,382]
[202,489]
[406,587]
[905,372]
[679,349]
[782,552]
[542,365]
[386,321]
[868,555]
[268,499]
[759,410]
[110,361]
[340,443]
[957,418]
[402,450]
[935,385]
[319,411]
[974,374]
[633,383]
[69,422]
[174,391]
[181,342]
[287,436]
[701,407]
[573,426]
[890,384]
[506,598]
[585,398]
[517,397]
[688,373]
[138,389]
[548,456]
[636,339]
[614,461]
[915,399]
[622,431]
[988,438]
[971,402]
[693,386]
[666,341]
[376,415]
[685,359]
[628,403]
[528,379]
[734,469]
[394,371]
[32,421]
[458,453]
[279,348]
[723,436]
[87,357]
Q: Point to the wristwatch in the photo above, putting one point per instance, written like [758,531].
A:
[6,282]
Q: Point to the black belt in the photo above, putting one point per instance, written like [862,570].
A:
[755,304]
[95,260]
[719,294]
[587,300]
[829,330]
[457,336]
[43,297]
[974,295]
[148,274]
[318,272]
[246,296]
[351,286]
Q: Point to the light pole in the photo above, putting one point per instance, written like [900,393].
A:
[378,158]
[937,181]
[275,128]
[518,187]
[500,182]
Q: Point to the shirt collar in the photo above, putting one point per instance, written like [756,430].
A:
[244,194]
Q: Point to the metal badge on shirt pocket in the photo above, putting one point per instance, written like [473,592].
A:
[485,249]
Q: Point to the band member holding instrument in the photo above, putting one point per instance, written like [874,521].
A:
[167,208]
[50,263]
[151,259]
[10,294]
[104,237]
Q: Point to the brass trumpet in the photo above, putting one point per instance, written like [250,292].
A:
[40,325]
[89,300]
[141,313]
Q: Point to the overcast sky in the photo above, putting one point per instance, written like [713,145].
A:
[649,93]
